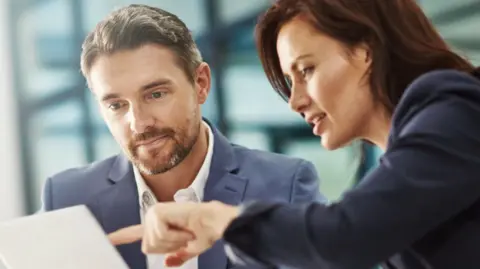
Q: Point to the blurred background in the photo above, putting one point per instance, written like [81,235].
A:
[50,121]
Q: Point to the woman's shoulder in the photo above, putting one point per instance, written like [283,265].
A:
[437,96]
[440,83]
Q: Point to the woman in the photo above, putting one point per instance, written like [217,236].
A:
[375,70]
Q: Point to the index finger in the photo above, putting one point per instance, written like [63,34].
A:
[126,235]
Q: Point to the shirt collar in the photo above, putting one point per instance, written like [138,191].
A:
[146,196]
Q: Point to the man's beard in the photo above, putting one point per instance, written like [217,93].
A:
[156,164]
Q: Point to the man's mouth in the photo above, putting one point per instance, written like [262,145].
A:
[151,141]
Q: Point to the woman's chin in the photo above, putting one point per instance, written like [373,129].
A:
[330,144]
[326,143]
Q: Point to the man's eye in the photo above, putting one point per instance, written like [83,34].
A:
[115,106]
[156,95]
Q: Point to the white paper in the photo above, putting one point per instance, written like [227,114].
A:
[68,238]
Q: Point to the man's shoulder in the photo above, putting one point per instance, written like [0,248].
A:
[277,176]
[86,173]
[77,185]
[270,162]
[267,159]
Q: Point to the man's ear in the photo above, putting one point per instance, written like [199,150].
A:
[203,81]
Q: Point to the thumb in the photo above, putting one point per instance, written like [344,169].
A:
[193,249]
[126,235]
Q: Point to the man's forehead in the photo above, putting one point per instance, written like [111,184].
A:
[141,59]
[109,71]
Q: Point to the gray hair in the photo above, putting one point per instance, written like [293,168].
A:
[135,25]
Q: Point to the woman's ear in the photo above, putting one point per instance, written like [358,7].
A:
[363,54]
[368,57]
[366,52]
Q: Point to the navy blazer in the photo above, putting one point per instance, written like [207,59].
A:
[237,174]
[420,208]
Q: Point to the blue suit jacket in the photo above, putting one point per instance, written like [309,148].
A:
[237,174]
[419,209]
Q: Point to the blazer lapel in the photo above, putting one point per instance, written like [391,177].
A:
[225,185]
[119,204]
[120,209]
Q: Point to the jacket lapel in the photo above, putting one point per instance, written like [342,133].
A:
[119,204]
[225,185]
[119,209]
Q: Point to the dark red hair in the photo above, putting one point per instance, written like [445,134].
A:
[403,42]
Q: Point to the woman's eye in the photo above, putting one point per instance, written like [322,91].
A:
[306,71]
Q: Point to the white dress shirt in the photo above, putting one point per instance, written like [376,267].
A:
[193,193]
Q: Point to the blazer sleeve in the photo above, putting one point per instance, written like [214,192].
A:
[429,173]
[306,185]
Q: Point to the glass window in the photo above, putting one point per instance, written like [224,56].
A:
[53,154]
[457,22]
[431,7]
[232,11]
[337,169]
[47,49]
[57,143]
[191,12]
[254,139]
[55,119]
[251,99]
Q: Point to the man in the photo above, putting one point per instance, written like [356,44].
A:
[149,79]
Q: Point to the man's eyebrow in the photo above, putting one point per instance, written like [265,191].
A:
[109,96]
[156,83]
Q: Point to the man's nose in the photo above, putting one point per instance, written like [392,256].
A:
[140,120]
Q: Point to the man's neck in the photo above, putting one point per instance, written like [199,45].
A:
[165,185]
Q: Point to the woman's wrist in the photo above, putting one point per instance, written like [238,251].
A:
[220,216]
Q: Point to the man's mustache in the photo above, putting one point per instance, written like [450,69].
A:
[151,133]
